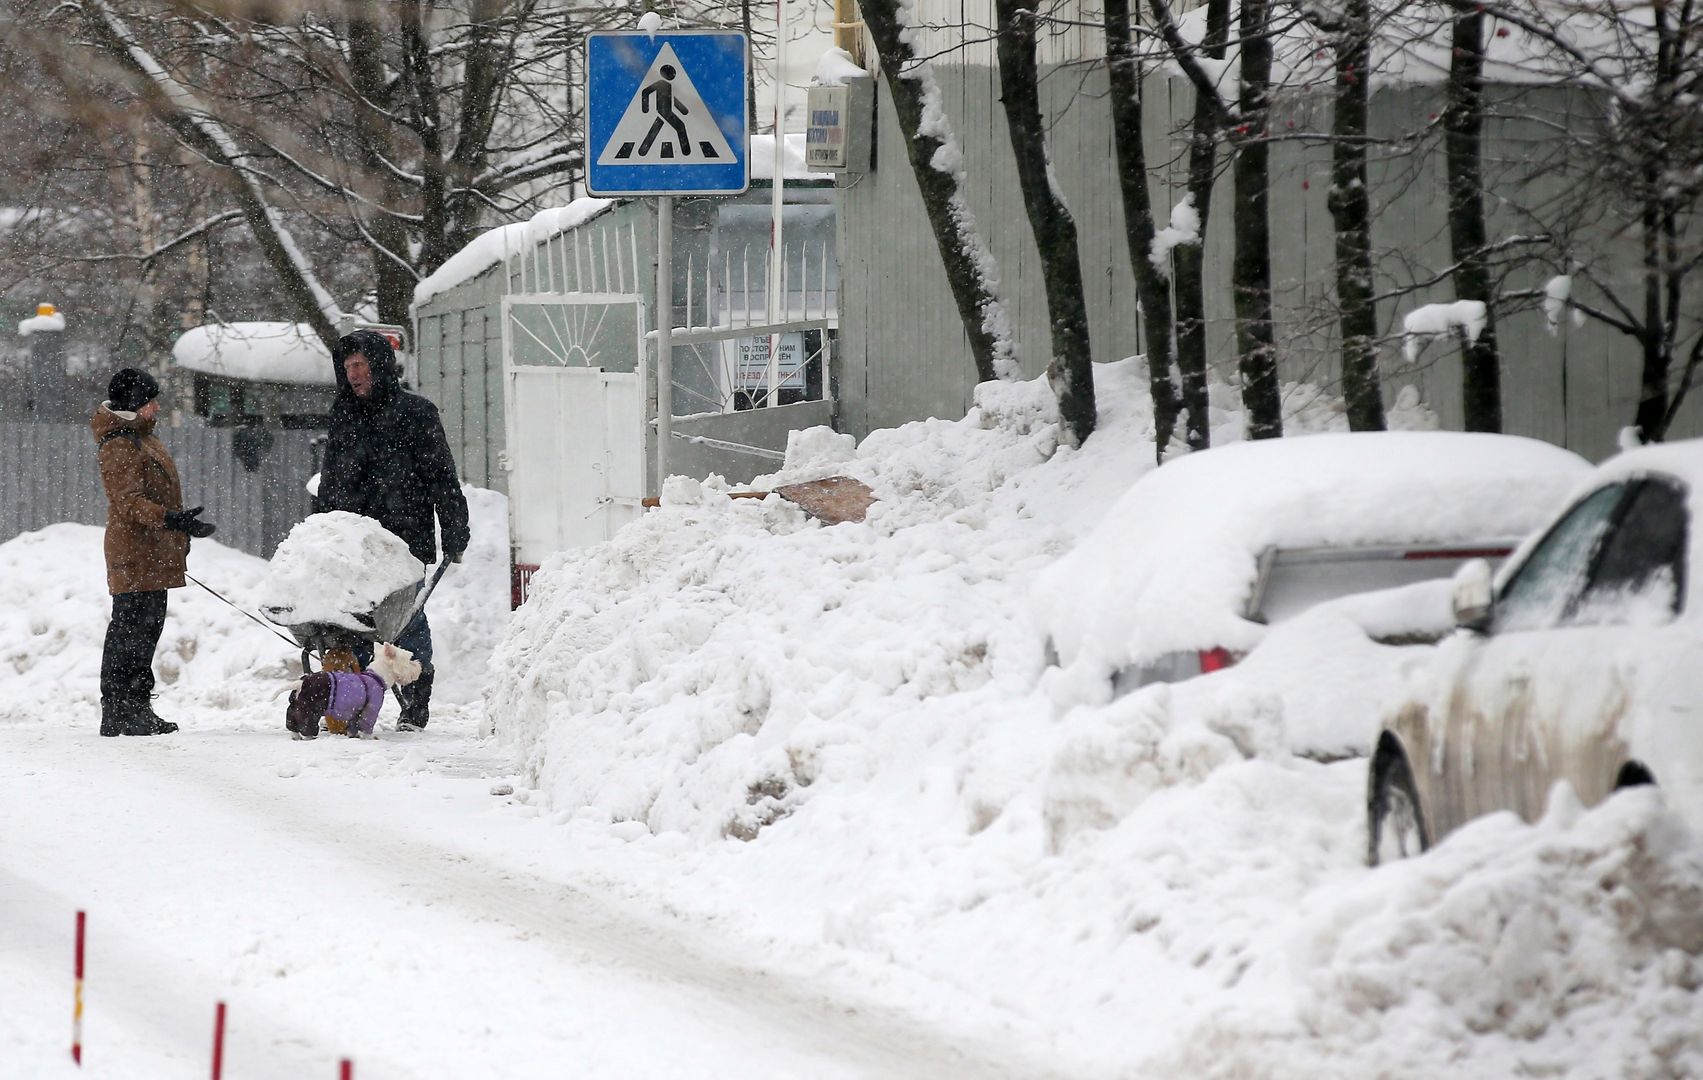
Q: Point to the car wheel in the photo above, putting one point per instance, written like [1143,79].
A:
[1633,774]
[1395,823]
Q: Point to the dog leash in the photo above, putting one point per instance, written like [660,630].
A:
[253,618]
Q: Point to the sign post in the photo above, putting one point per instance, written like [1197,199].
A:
[666,115]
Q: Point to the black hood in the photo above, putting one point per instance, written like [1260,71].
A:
[387,375]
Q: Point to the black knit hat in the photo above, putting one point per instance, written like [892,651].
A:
[131,389]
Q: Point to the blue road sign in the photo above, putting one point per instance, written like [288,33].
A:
[666,113]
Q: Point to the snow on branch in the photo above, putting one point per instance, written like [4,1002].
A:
[949,159]
[1184,229]
[1463,318]
[1557,298]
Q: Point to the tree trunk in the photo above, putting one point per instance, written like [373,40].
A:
[1351,213]
[370,76]
[1653,382]
[1463,125]
[1071,371]
[1251,270]
[1190,259]
[1153,290]
[967,263]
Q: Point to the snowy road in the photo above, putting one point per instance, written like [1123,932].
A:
[374,900]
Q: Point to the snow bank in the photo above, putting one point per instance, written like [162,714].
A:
[277,352]
[869,710]
[494,245]
[211,655]
[1171,567]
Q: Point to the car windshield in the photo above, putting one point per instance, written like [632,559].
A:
[1556,570]
[1641,566]
[1617,557]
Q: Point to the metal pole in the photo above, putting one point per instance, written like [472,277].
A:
[664,334]
[777,199]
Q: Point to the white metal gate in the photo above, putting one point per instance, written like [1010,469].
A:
[573,395]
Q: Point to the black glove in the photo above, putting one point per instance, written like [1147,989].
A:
[186,521]
[454,556]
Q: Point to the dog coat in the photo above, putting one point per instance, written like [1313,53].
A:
[350,698]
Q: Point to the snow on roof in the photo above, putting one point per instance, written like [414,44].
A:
[836,66]
[1171,565]
[277,352]
[41,323]
[494,245]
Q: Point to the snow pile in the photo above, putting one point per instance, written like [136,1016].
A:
[869,709]
[469,609]
[1171,567]
[495,245]
[713,636]
[1570,948]
[336,566]
[277,352]
[53,625]
[212,655]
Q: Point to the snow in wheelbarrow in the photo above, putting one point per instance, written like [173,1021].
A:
[341,578]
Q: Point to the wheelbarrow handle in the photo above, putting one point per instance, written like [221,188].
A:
[420,601]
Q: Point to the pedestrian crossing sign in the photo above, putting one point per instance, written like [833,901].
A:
[666,113]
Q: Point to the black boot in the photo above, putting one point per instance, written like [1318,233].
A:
[126,719]
[146,714]
[416,702]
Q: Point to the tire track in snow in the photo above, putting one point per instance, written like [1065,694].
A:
[583,930]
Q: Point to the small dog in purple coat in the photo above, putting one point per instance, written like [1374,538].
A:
[348,697]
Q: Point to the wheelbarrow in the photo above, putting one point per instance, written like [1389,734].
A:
[336,645]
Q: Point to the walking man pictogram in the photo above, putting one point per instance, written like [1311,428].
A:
[663,89]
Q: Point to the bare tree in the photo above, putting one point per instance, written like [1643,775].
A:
[1641,168]
[1350,202]
[1245,122]
[1463,123]
[396,128]
[1071,371]
[935,161]
[1125,74]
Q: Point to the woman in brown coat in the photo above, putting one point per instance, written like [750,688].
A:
[147,541]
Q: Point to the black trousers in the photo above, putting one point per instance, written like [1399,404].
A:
[127,660]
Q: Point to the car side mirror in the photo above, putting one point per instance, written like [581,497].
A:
[1471,595]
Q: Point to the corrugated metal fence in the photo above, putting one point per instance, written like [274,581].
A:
[48,475]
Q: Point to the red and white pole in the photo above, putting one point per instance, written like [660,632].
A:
[219,1041]
[77,1000]
[345,1070]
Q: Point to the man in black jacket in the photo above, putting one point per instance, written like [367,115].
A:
[387,459]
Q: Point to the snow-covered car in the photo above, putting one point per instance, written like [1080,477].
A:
[1581,661]
[1202,555]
